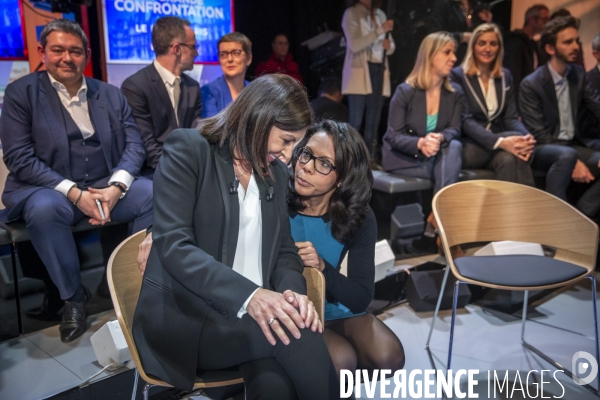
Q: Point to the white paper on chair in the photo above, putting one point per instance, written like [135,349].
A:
[508,247]
[384,261]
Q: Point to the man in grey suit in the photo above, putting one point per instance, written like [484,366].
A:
[551,99]
[161,96]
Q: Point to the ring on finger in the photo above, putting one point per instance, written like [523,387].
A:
[271,320]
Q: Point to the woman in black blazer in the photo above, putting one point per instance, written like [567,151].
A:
[223,286]
[424,118]
[494,138]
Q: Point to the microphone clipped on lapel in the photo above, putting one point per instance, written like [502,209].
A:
[233,188]
[270,193]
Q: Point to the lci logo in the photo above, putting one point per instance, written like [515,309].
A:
[582,368]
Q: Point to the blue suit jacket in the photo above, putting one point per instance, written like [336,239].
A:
[35,143]
[215,97]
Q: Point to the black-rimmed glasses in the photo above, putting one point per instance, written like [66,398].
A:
[322,164]
[192,47]
[237,53]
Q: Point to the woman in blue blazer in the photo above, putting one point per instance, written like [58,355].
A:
[494,138]
[424,118]
[235,55]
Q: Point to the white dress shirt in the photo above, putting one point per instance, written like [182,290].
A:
[248,253]
[77,107]
[170,80]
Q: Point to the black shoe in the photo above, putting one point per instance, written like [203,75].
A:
[73,322]
[103,290]
[49,310]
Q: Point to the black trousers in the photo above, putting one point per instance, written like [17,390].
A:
[558,160]
[506,166]
[303,369]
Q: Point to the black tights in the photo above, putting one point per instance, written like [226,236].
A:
[363,342]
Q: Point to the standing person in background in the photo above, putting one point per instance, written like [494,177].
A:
[522,55]
[366,77]
[588,123]
[494,138]
[453,16]
[161,96]
[235,56]
[281,61]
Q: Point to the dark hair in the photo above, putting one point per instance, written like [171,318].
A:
[375,4]
[534,11]
[561,12]
[66,26]
[271,100]
[237,37]
[349,203]
[165,31]
[554,26]
[280,34]
[331,86]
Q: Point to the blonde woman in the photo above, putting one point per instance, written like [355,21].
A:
[494,138]
[424,119]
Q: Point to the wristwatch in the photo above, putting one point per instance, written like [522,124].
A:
[121,188]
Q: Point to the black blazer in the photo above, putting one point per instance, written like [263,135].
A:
[539,106]
[593,77]
[447,15]
[407,122]
[589,125]
[477,126]
[153,112]
[189,272]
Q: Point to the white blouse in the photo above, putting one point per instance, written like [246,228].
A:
[491,101]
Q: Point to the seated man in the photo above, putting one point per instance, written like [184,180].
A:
[329,103]
[235,55]
[588,124]
[161,96]
[551,98]
[281,61]
[73,150]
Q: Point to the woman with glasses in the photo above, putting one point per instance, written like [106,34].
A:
[223,285]
[494,138]
[235,55]
[330,189]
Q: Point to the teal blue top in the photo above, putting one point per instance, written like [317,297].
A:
[316,230]
[431,122]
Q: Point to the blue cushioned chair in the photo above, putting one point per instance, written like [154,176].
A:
[489,211]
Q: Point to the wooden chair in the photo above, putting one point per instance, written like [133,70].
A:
[486,211]
[125,281]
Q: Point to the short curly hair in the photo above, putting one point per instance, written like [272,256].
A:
[554,26]
[349,204]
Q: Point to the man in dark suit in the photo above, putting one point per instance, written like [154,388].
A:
[522,54]
[551,98]
[161,96]
[588,123]
[329,103]
[73,152]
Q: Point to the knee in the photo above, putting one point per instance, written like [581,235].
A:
[506,160]
[393,359]
[455,148]
[47,206]
[568,155]
[344,358]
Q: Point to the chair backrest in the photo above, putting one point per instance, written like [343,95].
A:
[125,282]
[486,210]
[315,290]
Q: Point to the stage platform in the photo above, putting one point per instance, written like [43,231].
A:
[39,366]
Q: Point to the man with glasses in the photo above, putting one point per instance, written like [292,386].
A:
[522,55]
[74,152]
[161,96]
[235,55]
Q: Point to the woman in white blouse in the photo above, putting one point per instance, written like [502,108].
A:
[493,137]
[366,77]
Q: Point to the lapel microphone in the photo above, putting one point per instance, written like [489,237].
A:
[233,188]
[270,193]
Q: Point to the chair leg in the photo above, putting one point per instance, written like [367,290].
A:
[13,258]
[524,315]
[454,303]
[437,306]
[147,387]
[135,383]
[591,277]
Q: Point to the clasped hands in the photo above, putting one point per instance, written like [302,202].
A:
[430,144]
[86,202]
[519,146]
